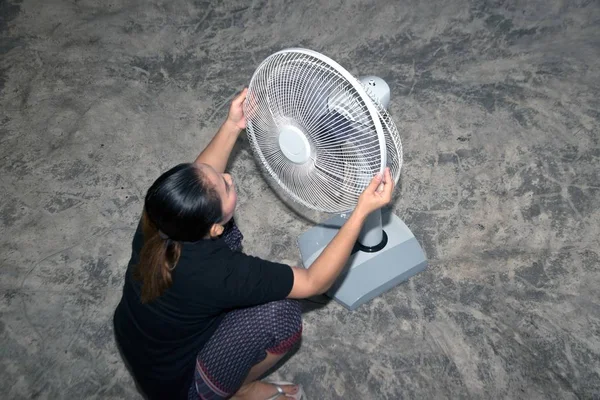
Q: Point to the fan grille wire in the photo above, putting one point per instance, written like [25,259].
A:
[299,89]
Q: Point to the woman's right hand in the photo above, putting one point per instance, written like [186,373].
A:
[378,194]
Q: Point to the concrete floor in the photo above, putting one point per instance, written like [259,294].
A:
[498,104]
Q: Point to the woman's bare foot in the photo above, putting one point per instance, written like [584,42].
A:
[262,390]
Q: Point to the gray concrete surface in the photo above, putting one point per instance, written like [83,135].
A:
[498,104]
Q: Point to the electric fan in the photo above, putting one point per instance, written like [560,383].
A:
[322,135]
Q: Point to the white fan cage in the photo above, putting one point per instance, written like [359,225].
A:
[351,135]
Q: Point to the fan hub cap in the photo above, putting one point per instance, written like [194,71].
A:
[293,144]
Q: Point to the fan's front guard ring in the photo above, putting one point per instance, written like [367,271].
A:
[366,99]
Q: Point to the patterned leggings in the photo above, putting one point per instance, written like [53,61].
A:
[240,342]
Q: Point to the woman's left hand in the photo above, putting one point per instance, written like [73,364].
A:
[236,110]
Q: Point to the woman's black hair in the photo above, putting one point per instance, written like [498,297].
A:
[180,206]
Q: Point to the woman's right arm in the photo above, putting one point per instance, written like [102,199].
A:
[330,263]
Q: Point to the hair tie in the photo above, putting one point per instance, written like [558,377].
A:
[162,235]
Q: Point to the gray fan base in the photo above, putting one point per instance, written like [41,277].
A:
[367,275]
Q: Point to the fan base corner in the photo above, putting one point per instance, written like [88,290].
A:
[367,275]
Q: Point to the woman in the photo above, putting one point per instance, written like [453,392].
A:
[198,318]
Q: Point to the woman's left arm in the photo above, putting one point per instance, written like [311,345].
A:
[216,154]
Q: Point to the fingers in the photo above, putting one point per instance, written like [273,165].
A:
[384,186]
[379,192]
[388,188]
[239,99]
[375,182]
[381,179]
[250,106]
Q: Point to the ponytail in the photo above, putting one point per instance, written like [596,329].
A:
[158,258]
[180,206]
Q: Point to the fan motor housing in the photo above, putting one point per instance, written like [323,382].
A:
[378,87]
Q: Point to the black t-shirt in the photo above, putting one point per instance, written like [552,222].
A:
[160,339]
